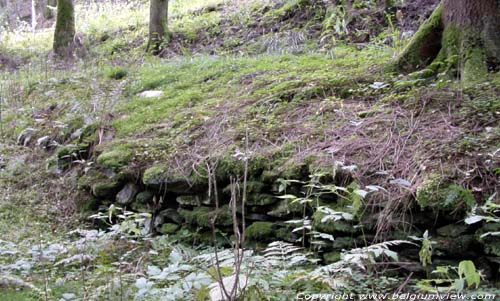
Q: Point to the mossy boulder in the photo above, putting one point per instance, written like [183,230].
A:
[171,215]
[64,157]
[107,188]
[203,216]
[115,159]
[169,228]
[454,246]
[439,195]
[252,187]
[155,175]
[261,200]
[453,230]
[331,257]
[285,208]
[144,197]
[333,227]
[160,177]
[345,243]
[260,231]
[192,200]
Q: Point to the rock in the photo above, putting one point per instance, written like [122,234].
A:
[127,194]
[453,230]
[25,136]
[285,208]
[260,231]
[169,228]
[43,142]
[150,94]
[144,197]
[189,200]
[170,214]
[331,257]
[261,200]
[457,247]
[202,216]
[115,159]
[107,188]
[158,177]
[346,243]
[257,217]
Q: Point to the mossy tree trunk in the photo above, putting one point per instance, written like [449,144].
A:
[64,35]
[462,36]
[158,25]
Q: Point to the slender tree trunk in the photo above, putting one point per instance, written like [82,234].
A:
[65,28]
[461,36]
[158,21]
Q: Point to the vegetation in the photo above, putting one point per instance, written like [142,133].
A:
[250,150]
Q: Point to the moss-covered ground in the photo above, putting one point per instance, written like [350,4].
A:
[260,70]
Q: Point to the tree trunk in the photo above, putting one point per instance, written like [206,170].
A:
[158,29]
[461,37]
[65,28]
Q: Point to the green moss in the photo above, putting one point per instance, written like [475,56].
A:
[331,257]
[202,216]
[116,72]
[107,188]
[413,57]
[332,227]
[169,228]
[116,158]
[261,200]
[260,231]
[155,175]
[436,194]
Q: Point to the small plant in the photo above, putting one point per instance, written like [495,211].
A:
[450,278]
[116,73]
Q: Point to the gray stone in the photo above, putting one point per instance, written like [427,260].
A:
[25,136]
[285,208]
[144,197]
[171,215]
[43,142]
[127,194]
[453,230]
[261,200]
[150,94]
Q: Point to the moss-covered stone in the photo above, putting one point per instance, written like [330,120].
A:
[261,200]
[172,215]
[115,159]
[332,227]
[453,246]
[437,194]
[188,200]
[454,230]
[331,257]
[107,188]
[169,228]
[155,175]
[144,197]
[285,208]
[203,216]
[259,231]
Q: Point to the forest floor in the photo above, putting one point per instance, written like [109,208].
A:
[299,85]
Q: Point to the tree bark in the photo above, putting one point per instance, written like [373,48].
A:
[65,28]
[461,37]
[158,29]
